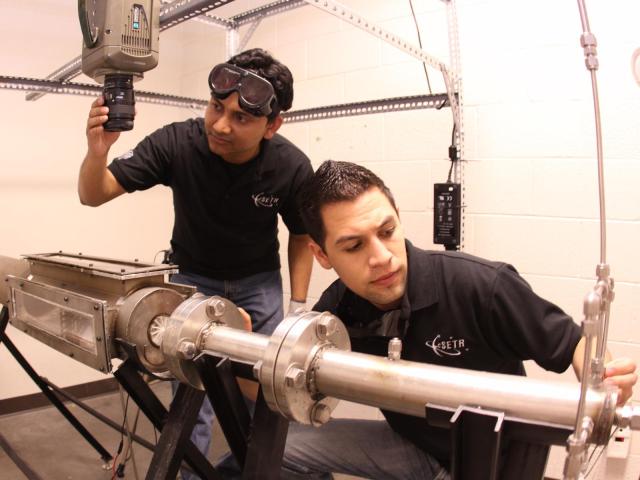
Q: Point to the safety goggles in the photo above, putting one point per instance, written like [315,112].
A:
[255,94]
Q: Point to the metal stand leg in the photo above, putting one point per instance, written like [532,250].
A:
[173,425]
[175,434]
[486,446]
[257,449]
[479,432]
[227,401]
[55,401]
[20,463]
[266,444]
[106,420]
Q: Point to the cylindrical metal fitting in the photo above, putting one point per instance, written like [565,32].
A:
[406,387]
[238,345]
[394,350]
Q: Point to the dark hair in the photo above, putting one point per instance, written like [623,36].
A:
[335,182]
[259,61]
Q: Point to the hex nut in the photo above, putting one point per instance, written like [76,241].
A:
[325,326]
[295,378]
[187,350]
[320,414]
[257,368]
[215,308]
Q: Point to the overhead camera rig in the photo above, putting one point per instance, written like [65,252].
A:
[95,309]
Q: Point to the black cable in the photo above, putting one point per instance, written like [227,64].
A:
[119,470]
[453,152]
[599,454]
[424,66]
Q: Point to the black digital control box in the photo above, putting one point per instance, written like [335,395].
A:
[447,214]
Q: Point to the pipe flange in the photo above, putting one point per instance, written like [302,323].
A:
[140,321]
[287,370]
[603,423]
[187,328]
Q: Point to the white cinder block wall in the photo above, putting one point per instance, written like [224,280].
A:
[530,170]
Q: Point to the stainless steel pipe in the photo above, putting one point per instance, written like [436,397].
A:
[397,385]
[238,345]
[406,387]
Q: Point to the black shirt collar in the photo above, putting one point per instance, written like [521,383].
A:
[421,289]
[364,319]
[265,160]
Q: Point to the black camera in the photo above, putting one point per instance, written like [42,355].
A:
[119,97]
[120,42]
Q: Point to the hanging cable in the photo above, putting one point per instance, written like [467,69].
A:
[424,66]
[453,152]
[121,444]
[591,465]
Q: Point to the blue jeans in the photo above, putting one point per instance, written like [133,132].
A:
[261,296]
[364,448]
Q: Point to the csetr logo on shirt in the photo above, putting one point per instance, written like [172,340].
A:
[265,200]
[125,155]
[453,347]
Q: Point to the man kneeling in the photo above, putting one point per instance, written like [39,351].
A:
[449,308]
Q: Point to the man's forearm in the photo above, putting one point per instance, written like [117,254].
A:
[300,265]
[578,357]
[96,184]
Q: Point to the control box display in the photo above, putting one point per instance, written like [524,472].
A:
[446,214]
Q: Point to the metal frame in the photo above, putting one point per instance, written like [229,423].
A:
[181,415]
[487,445]
[385,105]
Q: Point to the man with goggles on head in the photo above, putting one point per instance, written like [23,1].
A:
[231,175]
[255,94]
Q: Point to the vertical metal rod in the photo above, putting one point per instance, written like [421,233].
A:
[592,66]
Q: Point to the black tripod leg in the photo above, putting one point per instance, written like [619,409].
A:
[157,414]
[266,445]
[227,401]
[175,434]
[4,318]
[20,463]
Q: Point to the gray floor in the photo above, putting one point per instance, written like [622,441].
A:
[52,448]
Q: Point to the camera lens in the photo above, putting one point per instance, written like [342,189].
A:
[118,96]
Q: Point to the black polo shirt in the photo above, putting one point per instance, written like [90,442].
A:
[226,217]
[458,311]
